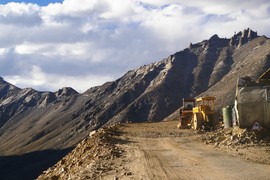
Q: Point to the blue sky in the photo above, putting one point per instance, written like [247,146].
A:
[84,43]
[40,2]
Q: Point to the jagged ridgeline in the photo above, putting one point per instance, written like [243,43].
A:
[32,120]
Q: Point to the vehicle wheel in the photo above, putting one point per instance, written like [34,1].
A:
[197,122]
[179,125]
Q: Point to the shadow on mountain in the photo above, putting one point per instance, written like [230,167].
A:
[29,166]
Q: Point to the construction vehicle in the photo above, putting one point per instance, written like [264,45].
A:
[203,113]
[186,112]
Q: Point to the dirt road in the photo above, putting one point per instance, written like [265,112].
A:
[161,151]
[158,151]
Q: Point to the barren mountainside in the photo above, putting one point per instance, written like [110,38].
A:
[32,120]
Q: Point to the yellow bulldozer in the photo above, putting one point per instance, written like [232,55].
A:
[197,113]
[203,113]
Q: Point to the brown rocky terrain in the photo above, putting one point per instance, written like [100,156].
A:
[161,151]
[33,121]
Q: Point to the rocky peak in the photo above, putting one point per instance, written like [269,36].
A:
[243,37]
[1,79]
[214,42]
[66,91]
[248,33]
[7,89]
[214,37]
[3,82]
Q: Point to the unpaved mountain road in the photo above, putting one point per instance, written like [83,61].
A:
[161,151]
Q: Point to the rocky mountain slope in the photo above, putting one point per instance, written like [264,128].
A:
[32,120]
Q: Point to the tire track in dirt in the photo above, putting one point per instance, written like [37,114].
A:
[163,160]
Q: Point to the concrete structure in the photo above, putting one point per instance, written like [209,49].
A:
[252,103]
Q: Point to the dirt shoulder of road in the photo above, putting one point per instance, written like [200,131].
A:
[159,151]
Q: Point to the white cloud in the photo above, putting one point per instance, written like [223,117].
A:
[18,9]
[118,9]
[37,78]
[86,43]
[19,14]
[3,51]
[80,49]
[28,49]
[171,23]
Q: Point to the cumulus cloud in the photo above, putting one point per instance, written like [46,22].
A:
[86,43]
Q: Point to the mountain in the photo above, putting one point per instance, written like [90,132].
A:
[34,121]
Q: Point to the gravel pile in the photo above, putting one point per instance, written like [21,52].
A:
[94,156]
[236,138]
